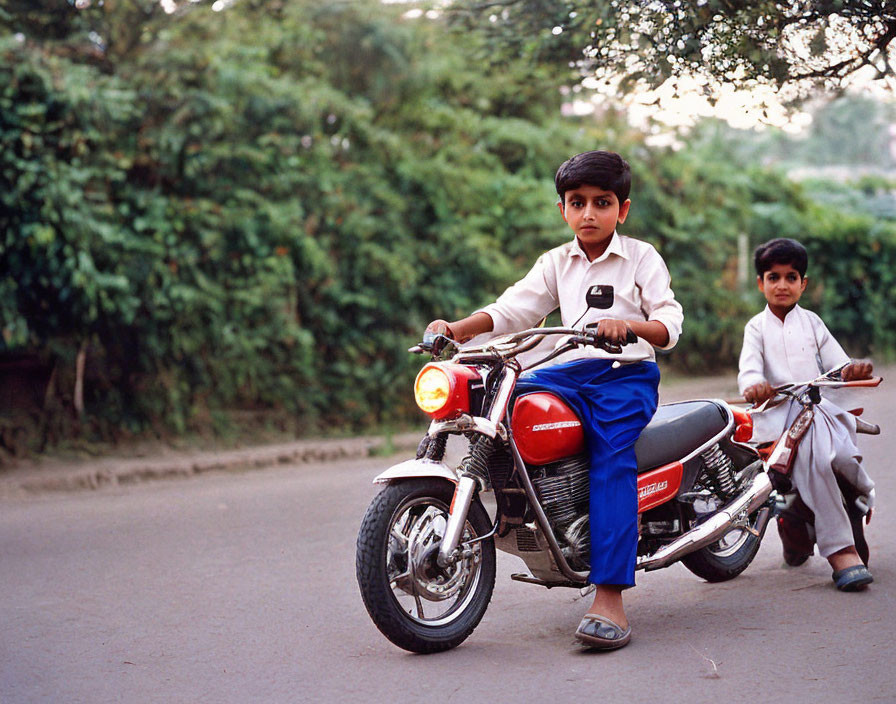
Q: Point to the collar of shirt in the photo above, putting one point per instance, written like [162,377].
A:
[615,247]
[791,316]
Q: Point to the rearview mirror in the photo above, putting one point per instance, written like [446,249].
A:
[600,296]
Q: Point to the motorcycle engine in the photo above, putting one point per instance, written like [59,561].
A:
[562,488]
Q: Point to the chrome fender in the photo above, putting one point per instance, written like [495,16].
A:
[417,468]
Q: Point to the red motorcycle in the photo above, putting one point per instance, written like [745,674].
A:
[426,548]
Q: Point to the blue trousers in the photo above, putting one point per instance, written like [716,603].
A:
[614,405]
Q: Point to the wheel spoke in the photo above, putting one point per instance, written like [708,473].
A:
[403,581]
[400,537]
[405,525]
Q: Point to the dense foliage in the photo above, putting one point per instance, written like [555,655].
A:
[259,209]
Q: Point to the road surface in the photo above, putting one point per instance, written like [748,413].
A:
[241,588]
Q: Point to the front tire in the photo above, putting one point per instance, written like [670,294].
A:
[416,604]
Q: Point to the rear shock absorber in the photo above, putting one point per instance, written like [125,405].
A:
[718,472]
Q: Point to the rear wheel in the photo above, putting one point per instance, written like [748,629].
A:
[732,554]
[417,604]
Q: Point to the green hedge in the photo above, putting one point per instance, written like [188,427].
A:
[259,210]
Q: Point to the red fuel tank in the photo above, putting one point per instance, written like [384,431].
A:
[546,429]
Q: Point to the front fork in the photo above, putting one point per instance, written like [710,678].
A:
[457,517]
[467,485]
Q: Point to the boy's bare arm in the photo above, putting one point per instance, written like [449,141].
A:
[651,330]
[464,329]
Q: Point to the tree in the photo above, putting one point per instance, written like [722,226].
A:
[794,43]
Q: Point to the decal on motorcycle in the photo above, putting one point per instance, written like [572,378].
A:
[557,426]
[658,485]
[651,489]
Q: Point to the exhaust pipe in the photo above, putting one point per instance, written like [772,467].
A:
[714,528]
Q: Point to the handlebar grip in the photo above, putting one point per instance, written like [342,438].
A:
[873,381]
[434,343]
[630,336]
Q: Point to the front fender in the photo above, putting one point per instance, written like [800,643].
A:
[417,468]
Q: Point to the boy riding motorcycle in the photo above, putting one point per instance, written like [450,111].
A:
[616,401]
[782,344]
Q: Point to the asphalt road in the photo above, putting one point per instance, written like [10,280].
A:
[241,588]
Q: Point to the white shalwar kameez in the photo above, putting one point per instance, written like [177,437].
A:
[799,348]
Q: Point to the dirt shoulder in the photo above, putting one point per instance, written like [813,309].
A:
[54,473]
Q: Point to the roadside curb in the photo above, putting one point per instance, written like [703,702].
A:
[41,476]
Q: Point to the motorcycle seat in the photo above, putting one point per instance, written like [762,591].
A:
[676,430]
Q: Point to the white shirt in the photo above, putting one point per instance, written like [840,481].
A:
[562,276]
[798,348]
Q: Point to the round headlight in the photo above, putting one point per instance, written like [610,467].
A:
[432,389]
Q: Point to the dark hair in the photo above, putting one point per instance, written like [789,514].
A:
[781,251]
[606,170]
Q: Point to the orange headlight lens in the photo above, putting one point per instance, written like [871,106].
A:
[432,389]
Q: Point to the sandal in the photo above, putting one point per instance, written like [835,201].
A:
[852,579]
[601,633]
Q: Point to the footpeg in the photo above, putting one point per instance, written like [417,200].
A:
[529,579]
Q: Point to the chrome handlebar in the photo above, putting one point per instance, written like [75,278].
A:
[509,346]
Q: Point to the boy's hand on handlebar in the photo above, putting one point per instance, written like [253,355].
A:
[438,327]
[437,336]
[856,371]
[613,329]
[758,393]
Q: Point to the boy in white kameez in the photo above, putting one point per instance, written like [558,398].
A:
[786,343]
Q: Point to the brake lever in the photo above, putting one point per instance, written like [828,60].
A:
[591,338]
[434,343]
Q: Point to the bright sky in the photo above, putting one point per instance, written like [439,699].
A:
[743,109]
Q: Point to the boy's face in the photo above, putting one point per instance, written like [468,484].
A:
[782,287]
[593,213]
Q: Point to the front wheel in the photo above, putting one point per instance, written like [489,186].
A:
[417,604]
[731,555]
